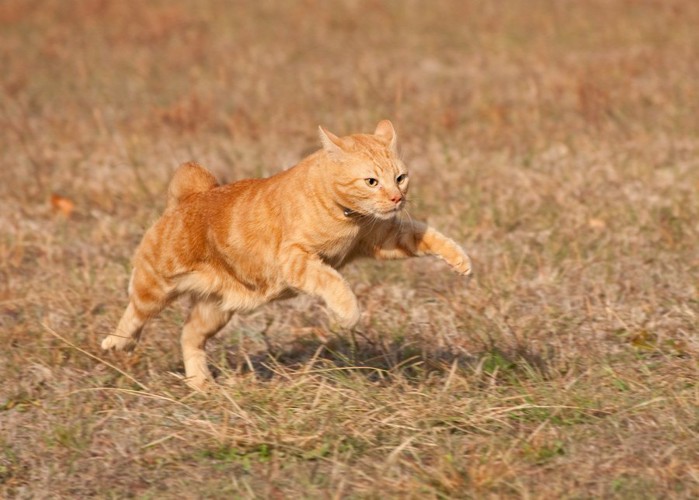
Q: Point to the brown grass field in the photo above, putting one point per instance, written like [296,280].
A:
[557,140]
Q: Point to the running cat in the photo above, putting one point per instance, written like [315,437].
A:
[235,247]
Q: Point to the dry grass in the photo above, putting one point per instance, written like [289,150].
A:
[559,141]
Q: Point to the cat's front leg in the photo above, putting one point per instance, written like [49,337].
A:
[308,273]
[432,242]
[416,239]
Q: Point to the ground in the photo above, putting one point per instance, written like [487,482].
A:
[557,141]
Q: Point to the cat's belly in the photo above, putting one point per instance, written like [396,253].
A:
[235,294]
[234,300]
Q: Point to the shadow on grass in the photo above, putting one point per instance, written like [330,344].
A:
[384,361]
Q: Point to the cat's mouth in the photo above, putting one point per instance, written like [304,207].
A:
[385,214]
[378,213]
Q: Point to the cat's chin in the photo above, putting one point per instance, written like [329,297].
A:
[388,214]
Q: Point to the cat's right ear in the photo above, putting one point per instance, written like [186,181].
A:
[331,143]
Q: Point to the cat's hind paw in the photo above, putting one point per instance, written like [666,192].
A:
[201,383]
[119,343]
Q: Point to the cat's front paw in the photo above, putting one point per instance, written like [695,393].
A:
[345,321]
[463,266]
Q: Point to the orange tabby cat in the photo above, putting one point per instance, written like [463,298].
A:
[238,246]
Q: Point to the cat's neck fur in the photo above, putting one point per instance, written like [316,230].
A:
[313,219]
[318,170]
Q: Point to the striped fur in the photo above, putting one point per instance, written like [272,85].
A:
[238,246]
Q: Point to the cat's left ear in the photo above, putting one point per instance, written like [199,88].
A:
[386,131]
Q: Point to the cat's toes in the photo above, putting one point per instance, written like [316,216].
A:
[118,343]
[463,267]
[351,320]
[347,322]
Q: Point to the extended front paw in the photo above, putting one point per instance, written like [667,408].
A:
[463,266]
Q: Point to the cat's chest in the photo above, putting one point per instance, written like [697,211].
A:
[334,251]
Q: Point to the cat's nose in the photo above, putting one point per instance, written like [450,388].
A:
[397,198]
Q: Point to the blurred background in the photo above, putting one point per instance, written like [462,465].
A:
[558,141]
[212,77]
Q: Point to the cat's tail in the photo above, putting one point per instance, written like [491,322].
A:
[189,178]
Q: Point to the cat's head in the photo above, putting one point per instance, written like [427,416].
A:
[368,178]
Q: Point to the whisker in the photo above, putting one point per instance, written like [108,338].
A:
[373,224]
[412,223]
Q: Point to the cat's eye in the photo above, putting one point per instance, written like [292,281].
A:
[372,182]
[401,178]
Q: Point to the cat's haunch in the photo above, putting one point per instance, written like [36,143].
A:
[235,247]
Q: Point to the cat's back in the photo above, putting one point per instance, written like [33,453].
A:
[187,223]
[248,219]
[239,219]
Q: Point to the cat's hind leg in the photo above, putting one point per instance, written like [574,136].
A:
[205,320]
[148,295]
[127,333]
